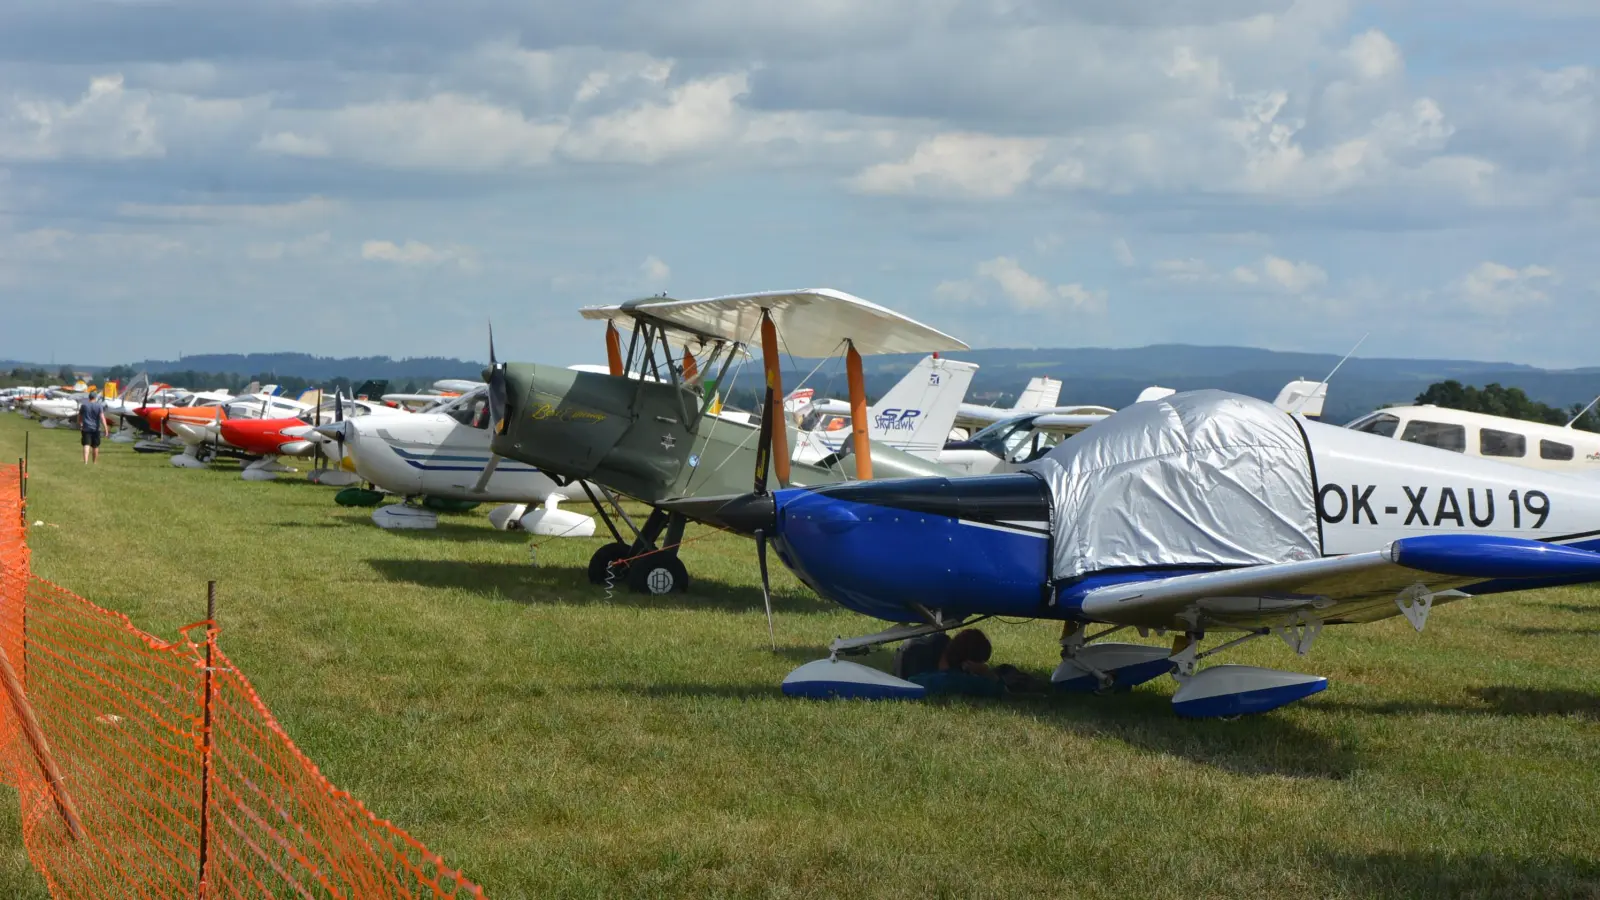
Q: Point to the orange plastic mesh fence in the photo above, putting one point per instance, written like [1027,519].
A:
[126,718]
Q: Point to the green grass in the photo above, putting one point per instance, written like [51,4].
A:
[554,742]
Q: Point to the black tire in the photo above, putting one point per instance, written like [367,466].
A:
[657,574]
[603,558]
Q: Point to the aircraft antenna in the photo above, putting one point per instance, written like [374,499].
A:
[1334,371]
[1583,411]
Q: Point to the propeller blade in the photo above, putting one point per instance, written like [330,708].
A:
[488,472]
[497,389]
[764,448]
[766,586]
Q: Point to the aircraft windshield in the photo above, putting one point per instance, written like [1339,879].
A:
[1015,440]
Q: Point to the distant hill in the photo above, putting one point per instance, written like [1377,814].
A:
[1112,377]
[315,368]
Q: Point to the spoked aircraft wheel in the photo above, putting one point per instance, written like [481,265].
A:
[602,560]
[658,574]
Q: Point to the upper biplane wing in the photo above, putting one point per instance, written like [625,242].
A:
[1409,575]
[813,322]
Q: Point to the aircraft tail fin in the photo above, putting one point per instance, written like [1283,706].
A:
[371,389]
[918,413]
[1303,397]
[1154,392]
[1042,391]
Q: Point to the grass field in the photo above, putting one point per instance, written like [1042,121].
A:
[553,742]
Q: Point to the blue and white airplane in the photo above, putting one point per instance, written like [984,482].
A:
[1203,514]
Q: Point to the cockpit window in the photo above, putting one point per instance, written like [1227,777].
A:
[1436,434]
[1382,424]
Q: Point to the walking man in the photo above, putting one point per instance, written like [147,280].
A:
[92,425]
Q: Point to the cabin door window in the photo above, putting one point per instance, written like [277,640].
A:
[1492,442]
[1555,450]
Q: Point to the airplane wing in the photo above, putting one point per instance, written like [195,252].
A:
[811,323]
[1360,587]
[1071,422]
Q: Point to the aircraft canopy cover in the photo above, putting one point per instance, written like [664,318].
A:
[811,323]
[1204,478]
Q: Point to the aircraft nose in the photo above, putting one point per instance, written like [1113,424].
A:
[743,514]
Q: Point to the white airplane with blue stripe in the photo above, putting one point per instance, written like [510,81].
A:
[443,454]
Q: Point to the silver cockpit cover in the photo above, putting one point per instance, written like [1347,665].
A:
[1200,478]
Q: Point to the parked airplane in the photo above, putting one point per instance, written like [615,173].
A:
[270,438]
[647,429]
[1532,444]
[200,428]
[441,454]
[1042,392]
[1011,444]
[1202,513]
[916,415]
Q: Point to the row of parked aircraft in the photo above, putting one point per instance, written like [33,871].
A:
[1191,515]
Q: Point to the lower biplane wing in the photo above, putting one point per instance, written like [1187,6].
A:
[1406,577]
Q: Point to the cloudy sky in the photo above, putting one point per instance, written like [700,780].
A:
[362,176]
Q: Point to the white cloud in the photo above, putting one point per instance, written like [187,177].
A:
[1272,273]
[1184,270]
[416,253]
[442,131]
[1496,288]
[961,164]
[287,143]
[1373,56]
[1294,277]
[314,207]
[1023,290]
[1123,253]
[693,117]
[107,122]
[655,271]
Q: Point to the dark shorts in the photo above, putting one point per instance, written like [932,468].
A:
[91,438]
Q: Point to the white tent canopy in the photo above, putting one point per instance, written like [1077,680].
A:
[1204,478]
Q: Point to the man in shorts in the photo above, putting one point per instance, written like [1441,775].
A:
[92,425]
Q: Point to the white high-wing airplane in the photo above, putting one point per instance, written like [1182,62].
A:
[441,454]
[54,410]
[1533,444]
[1042,392]
[1009,445]
[915,415]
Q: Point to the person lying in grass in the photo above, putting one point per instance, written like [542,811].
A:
[963,668]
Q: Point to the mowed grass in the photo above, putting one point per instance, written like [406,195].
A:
[552,741]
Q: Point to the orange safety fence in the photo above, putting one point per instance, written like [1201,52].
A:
[174,766]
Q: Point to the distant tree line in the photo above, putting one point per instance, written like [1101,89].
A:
[1511,403]
[234,382]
